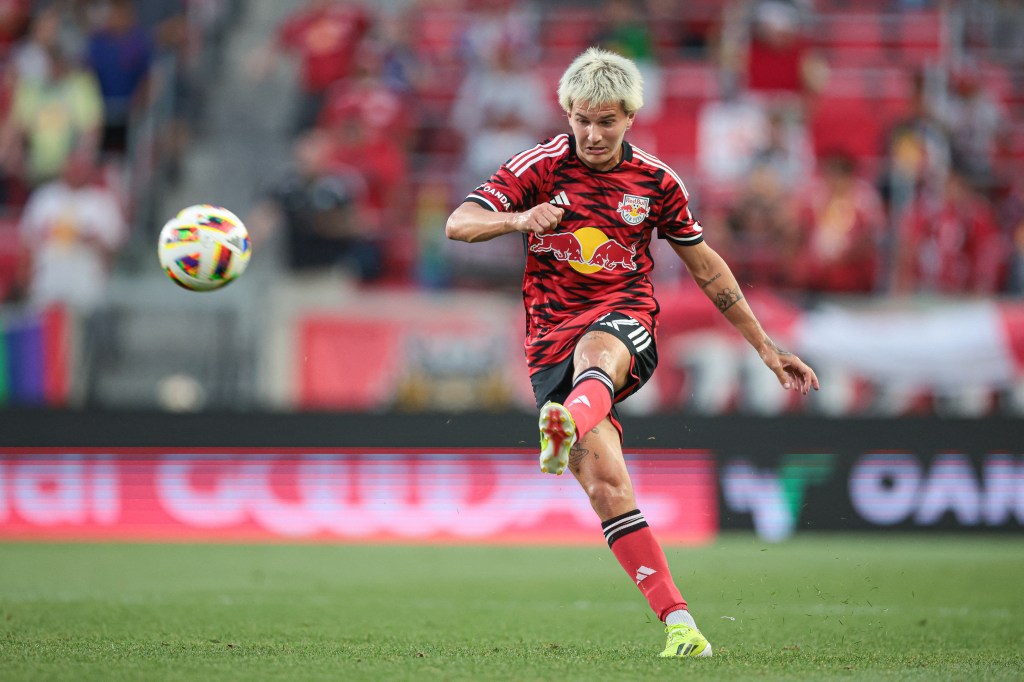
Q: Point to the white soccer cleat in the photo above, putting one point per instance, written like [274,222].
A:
[557,435]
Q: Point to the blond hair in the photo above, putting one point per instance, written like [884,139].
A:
[601,77]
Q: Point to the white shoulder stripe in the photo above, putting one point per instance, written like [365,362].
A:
[525,156]
[552,155]
[658,163]
[554,147]
[523,161]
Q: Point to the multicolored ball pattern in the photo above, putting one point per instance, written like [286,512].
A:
[204,247]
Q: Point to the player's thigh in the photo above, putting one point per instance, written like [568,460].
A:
[632,369]
[598,464]
[601,349]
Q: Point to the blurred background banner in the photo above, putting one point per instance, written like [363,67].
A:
[480,495]
[358,496]
[445,480]
[35,358]
[874,491]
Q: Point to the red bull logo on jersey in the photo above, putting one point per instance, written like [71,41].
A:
[633,209]
[586,250]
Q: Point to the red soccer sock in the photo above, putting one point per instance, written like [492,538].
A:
[590,400]
[639,553]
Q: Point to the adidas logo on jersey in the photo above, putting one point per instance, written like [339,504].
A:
[560,199]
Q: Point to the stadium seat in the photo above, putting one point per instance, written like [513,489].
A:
[438,32]
[566,32]
[853,125]
[675,131]
[686,80]
[919,37]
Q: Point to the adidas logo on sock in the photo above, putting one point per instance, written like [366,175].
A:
[643,572]
[582,399]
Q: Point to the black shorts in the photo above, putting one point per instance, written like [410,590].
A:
[555,382]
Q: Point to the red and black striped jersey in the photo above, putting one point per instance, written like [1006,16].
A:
[598,259]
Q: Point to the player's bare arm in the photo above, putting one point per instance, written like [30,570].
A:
[473,223]
[712,274]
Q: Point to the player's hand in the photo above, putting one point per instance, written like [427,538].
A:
[793,373]
[539,219]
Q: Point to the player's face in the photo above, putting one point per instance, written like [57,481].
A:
[599,130]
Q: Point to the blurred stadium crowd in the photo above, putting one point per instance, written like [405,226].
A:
[832,148]
[829,146]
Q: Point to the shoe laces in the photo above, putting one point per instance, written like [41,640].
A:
[679,629]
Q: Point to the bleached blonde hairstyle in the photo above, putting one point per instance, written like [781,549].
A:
[601,77]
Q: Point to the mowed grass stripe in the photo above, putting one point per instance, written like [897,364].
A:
[893,607]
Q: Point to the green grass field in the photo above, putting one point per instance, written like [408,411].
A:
[888,607]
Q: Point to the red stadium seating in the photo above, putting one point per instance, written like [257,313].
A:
[920,37]
[567,31]
[854,125]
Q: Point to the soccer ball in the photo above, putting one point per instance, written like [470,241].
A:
[204,247]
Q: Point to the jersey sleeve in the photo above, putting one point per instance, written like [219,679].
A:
[502,192]
[677,223]
[516,185]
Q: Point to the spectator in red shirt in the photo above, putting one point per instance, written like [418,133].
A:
[360,125]
[325,36]
[952,243]
[370,98]
[841,222]
[762,239]
[14,21]
[364,124]
[779,61]
[1012,212]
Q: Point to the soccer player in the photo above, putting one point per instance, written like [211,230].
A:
[587,204]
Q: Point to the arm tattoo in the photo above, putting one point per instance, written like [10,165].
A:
[727,298]
[705,284]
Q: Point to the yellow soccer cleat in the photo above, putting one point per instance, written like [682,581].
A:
[685,642]
[557,433]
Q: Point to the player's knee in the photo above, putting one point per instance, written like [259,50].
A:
[609,494]
[599,349]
